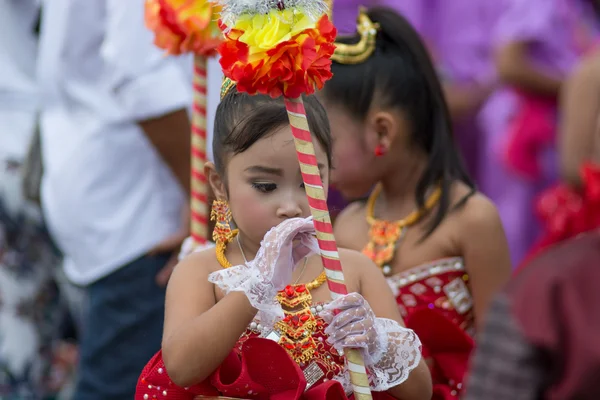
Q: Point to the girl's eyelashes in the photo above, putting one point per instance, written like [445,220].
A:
[267,187]
[264,187]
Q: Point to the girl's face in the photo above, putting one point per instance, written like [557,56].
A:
[356,165]
[353,172]
[265,185]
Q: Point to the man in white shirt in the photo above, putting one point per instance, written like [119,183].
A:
[115,145]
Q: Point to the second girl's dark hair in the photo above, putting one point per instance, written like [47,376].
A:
[401,75]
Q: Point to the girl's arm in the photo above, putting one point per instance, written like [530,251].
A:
[485,251]
[375,289]
[516,69]
[199,332]
[580,109]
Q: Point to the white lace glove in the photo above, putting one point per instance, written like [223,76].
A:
[271,270]
[390,350]
[187,248]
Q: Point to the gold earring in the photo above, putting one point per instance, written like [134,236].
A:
[222,234]
[221,214]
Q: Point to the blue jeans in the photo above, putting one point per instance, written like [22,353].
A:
[123,330]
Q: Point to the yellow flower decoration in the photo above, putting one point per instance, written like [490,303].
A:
[279,52]
[264,32]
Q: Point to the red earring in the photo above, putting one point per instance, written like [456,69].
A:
[380,150]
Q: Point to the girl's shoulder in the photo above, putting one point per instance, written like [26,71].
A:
[197,265]
[353,210]
[364,277]
[350,219]
[355,260]
[357,267]
[471,206]
[478,231]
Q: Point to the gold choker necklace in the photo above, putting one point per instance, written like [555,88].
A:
[385,235]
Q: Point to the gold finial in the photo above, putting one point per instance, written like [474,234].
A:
[226,86]
[358,52]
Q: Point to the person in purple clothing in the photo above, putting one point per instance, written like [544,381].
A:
[537,43]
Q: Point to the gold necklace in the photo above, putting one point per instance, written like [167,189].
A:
[384,235]
[296,329]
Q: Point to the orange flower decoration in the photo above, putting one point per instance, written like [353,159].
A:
[183,26]
[296,65]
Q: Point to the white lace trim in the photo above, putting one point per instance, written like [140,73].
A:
[400,353]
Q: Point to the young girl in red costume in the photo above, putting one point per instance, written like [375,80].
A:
[437,240]
[250,319]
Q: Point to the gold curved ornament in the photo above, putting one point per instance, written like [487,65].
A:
[357,53]
[226,86]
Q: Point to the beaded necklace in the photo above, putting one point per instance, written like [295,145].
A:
[384,236]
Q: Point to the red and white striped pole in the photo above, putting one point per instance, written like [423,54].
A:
[199,200]
[329,252]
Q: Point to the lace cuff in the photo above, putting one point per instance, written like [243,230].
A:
[398,353]
[260,292]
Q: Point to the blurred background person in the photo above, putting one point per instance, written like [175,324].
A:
[537,43]
[540,339]
[572,206]
[115,143]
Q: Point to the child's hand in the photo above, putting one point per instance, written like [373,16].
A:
[353,326]
[390,350]
[283,247]
[271,270]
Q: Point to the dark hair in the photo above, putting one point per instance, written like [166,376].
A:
[242,119]
[400,74]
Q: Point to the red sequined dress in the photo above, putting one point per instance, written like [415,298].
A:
[435,301]
[262,366]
